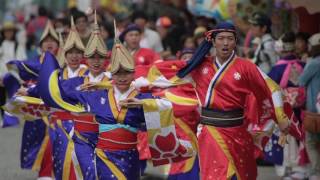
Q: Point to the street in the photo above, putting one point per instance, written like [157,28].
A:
[10,152]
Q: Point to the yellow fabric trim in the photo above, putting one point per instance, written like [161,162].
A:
[272,85]
[112,167]
[189,163]
[32,100]
[150,105]
[119,115]
[112,103]
[153,74]
[175,80]
[65,73]
[82,71]
[166,117]
[56,95]
[180,100]
[46,120]
[37,164]
[68,154]
[231,167]
[80,136]
[279,112]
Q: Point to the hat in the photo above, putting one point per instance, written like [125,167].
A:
[130,27]
[73,39]
[314,40]
[260,19]
[199,31]
[221,27]
[164,21]
[61,52]
[49,31]
[9,25]
[96,43]
[120,57]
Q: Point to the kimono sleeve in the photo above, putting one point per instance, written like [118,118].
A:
[267,93]
[57,93]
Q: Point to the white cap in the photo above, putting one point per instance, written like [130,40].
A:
[314,40]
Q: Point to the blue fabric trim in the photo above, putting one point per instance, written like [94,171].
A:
[109,127]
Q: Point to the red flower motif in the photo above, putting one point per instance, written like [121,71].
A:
[155,153]
[181,150]
[166,143]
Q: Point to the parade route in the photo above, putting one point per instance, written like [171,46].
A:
[10,152]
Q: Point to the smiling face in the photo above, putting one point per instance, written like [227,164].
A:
[73,58]
[96,64]
[123,79]
[225,43]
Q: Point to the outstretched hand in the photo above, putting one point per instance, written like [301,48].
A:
[131,103]
[22,92]
[88,86]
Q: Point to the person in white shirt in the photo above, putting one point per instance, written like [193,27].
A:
[9,49]
[265,55]
[150,38]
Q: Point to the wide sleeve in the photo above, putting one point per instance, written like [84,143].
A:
[56,93]
[267,93]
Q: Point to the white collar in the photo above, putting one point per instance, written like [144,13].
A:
[71,73]
[121,96]
[95,78]
[229,59]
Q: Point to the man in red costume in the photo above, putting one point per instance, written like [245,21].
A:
[223,83]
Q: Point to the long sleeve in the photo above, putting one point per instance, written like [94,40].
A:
[308,73]
[267,93]
[56,93]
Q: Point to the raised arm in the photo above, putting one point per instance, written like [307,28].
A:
[56,93]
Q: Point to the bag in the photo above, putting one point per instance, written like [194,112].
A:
[311,122]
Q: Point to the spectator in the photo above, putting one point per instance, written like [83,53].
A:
[265,55]
[310,79]
[82,24]
[9,49]
[164,27]
[131,37]
[185,54]
[150,38]
[286,72]
[198,34]
[107,34]
[188,42]
[301,44]
[37,24]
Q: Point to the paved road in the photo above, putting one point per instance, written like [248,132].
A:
[9,158]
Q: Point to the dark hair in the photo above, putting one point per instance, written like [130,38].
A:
[79,14]
[303,36]
[288,37]
[42,11]
[109,28]
[139,14]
